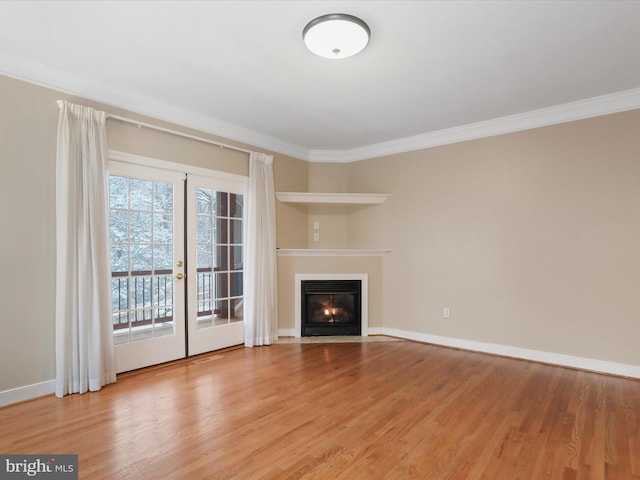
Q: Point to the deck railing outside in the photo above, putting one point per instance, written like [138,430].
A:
[150,298]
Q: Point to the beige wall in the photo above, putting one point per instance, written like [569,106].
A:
[532,238]
[28,128]
[291,175]
[333,231]
[28,124]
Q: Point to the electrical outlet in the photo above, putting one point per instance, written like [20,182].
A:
[316,237]
[446,312]
[316,225]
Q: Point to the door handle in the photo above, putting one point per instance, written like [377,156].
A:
[179,276]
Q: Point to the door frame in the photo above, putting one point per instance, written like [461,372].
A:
[223,178]
[202,340]
[145,352]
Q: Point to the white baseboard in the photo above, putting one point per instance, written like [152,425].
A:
[27,392]
[286,332]
[582,363]
[378,331]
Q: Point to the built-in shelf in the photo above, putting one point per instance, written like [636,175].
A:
[332,198]
[329,252]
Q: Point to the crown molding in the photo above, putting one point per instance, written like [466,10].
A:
[71,84]
[592,107]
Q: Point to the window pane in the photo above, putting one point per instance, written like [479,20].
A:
[203,201]
[162,197]
[119,296]
[236,313]
[236,258]
[220,260]
[163,228]
[141,293]
[119,258]
[118,192]
[236,284]
[141,227]
[222,285]
[119,225]
[120,319]
[162,257]
[163,295]
[235,227]
[221,313]
[204,291]
[140,257]
[221,232]
[203,256]
[203,229]
[222,199]
[235,205]
[140,194]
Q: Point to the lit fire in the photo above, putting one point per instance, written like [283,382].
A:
[331,312]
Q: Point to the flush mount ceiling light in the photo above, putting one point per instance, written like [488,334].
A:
[336,35]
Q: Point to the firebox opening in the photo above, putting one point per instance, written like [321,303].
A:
[331,307]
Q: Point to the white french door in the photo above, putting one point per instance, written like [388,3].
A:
[147,265]
[153,274]
[215,259]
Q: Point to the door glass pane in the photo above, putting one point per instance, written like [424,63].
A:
[221,258]
[235,205]
[204,256]
[218,235]
[222,231]
[141,222]
[140,194]
[162,257]
[236,312]
[235,231]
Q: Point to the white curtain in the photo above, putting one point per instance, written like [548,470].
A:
[84,344]
[261,314]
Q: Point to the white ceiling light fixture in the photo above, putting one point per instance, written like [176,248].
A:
[336,35]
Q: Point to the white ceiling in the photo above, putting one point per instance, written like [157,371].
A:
[433,72]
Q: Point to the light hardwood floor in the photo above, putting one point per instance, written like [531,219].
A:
[383,410]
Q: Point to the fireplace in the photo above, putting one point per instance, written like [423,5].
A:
[298,298]
[331,307]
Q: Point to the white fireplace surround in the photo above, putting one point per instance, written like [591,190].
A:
[364,296]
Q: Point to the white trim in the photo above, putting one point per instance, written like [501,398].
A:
[582,363]
[329,252]
[286,332]
[140,160]
[56,79]
[377,331]
[27,392]
[568,112]
[332,198]
[64,82]
[364,296]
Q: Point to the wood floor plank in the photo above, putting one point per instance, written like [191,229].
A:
[346,411]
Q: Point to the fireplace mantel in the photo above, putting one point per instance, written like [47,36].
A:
[308,198]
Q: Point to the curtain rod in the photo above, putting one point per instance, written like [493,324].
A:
[175,132]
